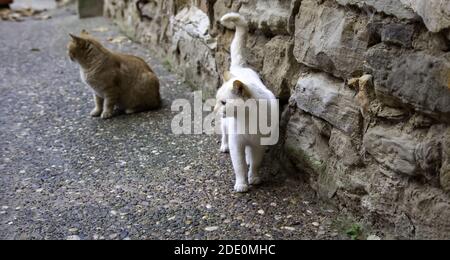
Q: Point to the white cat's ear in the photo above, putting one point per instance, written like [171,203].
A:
[227,76]
[241,89]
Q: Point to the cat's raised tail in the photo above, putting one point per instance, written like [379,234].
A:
[238,22]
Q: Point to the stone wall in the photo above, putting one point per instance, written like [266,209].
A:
[366,88]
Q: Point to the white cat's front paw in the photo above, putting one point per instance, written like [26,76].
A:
[224,148]
[255,180]
[241,188]
[107,115]
[96,113]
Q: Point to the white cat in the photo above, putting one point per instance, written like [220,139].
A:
[242,84]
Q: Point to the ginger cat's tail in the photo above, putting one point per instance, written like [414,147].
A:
[238,22]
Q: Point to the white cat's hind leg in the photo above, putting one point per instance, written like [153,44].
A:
[255,156]
[248,155]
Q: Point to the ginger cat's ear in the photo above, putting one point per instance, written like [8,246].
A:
[227,76]
[75,38]
[241,89]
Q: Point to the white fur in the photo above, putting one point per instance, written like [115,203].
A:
[83,76]
[246,150]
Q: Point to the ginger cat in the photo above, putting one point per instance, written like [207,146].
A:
[118,80]
[243,84]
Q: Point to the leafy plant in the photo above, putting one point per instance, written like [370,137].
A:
[355,231]
[167,65]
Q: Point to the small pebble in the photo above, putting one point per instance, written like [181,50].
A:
[73,238]
[211,229]
[373,238]
[289,228]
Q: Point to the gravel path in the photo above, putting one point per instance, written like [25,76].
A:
[65,175]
